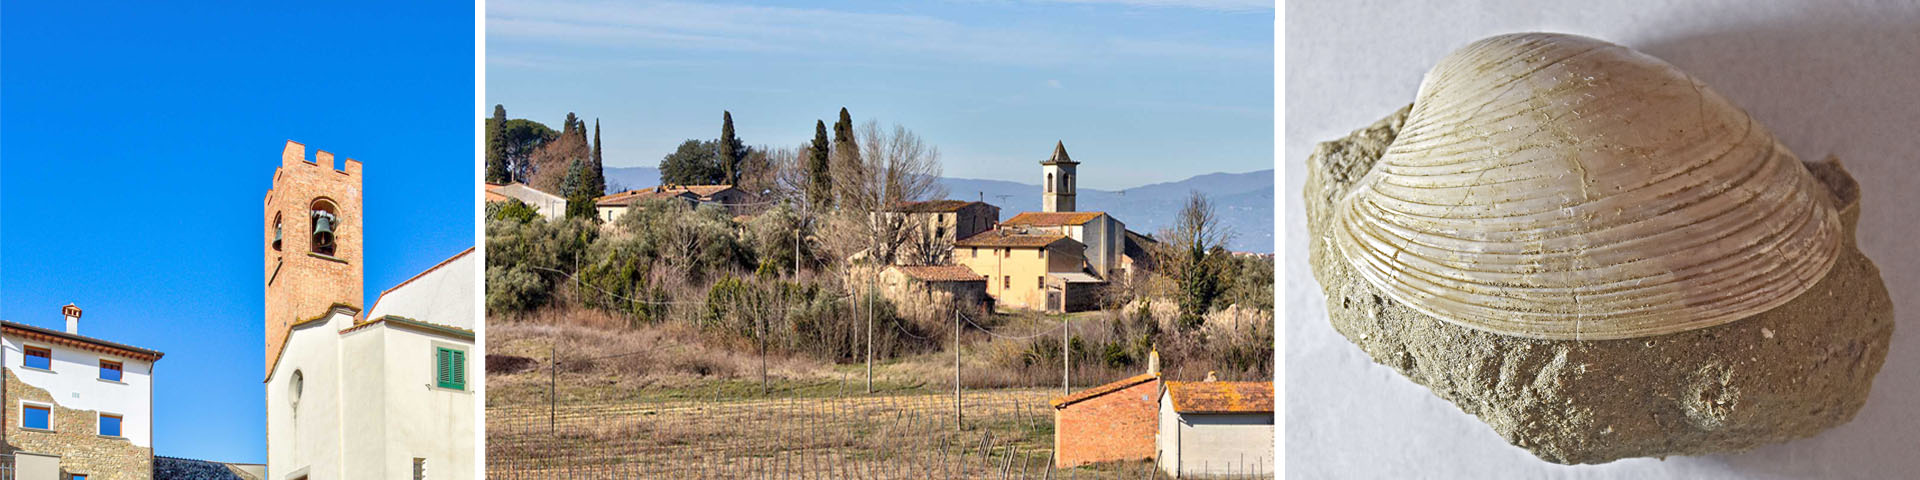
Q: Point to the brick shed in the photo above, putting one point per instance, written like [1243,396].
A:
[1116,421]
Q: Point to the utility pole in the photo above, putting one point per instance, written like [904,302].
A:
[1066,350]
[956,366]
[553,392]
[870,285]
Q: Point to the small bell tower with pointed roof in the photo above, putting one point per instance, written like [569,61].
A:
[1058,188]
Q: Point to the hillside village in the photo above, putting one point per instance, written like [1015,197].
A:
[843,252]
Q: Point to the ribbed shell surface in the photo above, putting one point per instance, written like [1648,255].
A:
[1560,187]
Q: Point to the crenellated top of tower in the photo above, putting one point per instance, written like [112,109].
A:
[295,156]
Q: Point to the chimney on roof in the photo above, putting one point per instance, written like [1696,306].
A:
[1153,362]
[73,318]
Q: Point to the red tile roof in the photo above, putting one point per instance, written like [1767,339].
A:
[1221,397]
[1052,219]
[941,273]
[1002,238]
[1076,397]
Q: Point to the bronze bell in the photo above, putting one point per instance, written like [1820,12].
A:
[322,229]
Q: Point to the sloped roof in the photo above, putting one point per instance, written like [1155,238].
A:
[1059,155]
[941,273]
[1122,384]
[79,341]
[1002,238]
[442,294]
[935,206]
[1053,219]
[1221,397]
[628,197]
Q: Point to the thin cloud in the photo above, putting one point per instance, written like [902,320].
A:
[819,34]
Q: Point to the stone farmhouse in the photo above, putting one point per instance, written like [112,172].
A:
[352,392]
[736,201]
[75,406]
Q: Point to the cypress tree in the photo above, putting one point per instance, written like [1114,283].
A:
[731,150]
[574,188]
[819,181]
[497,146]
[598,170]
[843,129]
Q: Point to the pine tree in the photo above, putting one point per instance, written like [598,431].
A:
[819,180]
[597,172]
[731,150]
[566,129]
[497,146]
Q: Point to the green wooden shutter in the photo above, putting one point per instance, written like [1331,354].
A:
[451,368]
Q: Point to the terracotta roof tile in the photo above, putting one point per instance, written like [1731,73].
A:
[1076,397]
[1221,397]
[941,273]
[1001,238]
[1052,219]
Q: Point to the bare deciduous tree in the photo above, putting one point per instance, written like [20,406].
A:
[892,167]
[1195,245]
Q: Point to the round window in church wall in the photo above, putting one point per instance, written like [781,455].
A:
[294,386]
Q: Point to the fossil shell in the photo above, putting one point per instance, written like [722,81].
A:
[1560,187]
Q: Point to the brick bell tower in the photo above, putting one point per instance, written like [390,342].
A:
[312,239]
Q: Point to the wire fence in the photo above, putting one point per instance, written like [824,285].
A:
[845,434]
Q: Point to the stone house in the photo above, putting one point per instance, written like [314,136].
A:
[737,202]
[1112,422]
[940,223]
[1215,428]
[1017,266]
[549,205]
[384,394]
[76,405]
[1104,236]
[922,291]
[612,207]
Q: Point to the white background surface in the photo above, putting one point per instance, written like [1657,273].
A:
[1828,77]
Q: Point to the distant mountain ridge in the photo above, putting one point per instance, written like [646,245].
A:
[1244,200]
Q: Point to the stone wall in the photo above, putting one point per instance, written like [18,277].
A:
[74,438]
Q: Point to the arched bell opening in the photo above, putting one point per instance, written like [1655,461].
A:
[326,225]
[277,232]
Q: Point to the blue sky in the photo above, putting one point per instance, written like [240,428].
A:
[137,142]
[1141,91]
